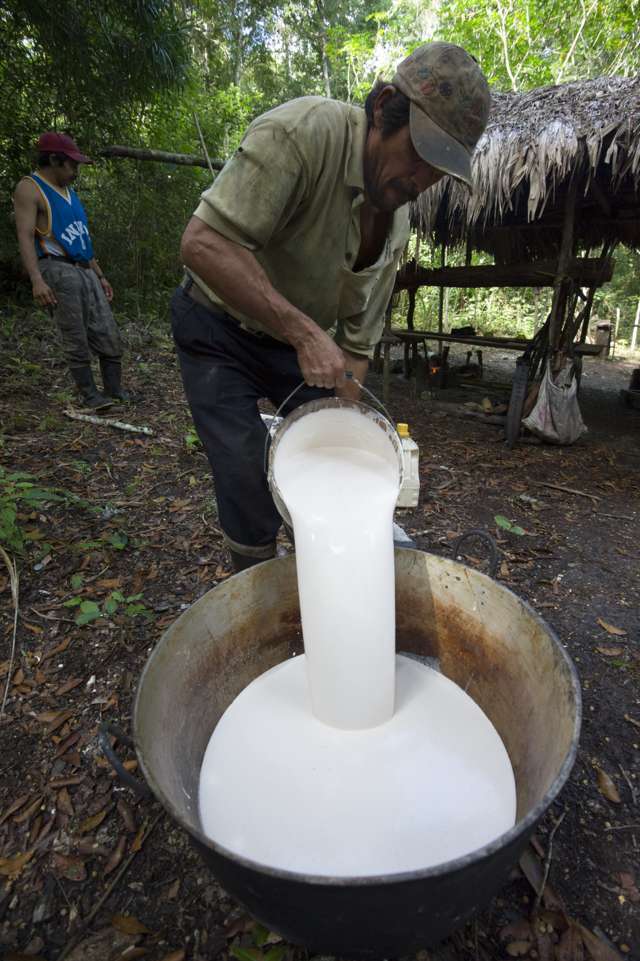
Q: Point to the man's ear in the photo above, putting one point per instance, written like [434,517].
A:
[387,92]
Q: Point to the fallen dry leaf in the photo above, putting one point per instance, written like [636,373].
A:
[63,802]
[110,583]
[28,813]
[15,806]
[611,628]
[11,867]
[606,786]
[70,867]
[171,892]
[69,685]
[175,955]
[610,651]
[627,882]
[518,949]
[571,947]
[126,814]
[598,950]
[128,924]
[93,822]
[106,944]
[116,856]
[138,840]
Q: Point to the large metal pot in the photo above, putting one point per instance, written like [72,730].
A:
[486,639]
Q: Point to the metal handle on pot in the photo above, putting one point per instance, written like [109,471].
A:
[106,731]
[349,375]
[494,554]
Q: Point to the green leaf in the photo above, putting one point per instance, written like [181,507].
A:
[119,540]
[110,606]
[118,596]
[518,530]
[503,522]
[87,617]
[259,934]
[133,597]
[89,607]
[246,954]
[277,953]
[77,581]
[89,545]
[73,602]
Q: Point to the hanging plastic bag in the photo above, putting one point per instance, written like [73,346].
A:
[556,416]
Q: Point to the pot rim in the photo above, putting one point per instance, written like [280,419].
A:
[522,827]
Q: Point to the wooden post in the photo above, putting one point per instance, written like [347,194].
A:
[634,329]
[561,283]
[443,263]
[615,332]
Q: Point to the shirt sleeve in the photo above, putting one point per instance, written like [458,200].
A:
[259,188]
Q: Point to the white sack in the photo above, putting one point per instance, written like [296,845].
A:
[556,416]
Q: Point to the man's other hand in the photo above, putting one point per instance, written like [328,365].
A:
[43,294]
[321,361]
[107,288]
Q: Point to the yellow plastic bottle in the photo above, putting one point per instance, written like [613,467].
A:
[410,490]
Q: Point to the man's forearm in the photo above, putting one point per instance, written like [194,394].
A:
[29,258]
[235,275]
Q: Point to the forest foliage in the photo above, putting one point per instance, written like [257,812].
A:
[136,72]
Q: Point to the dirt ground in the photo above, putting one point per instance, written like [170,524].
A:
[120,531]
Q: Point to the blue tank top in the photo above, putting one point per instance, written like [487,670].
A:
[67,223]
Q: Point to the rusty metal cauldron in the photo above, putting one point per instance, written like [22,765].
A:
[486,639]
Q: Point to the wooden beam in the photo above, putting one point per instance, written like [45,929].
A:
[160,156]
[587,271]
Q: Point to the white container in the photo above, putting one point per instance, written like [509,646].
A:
[410,490]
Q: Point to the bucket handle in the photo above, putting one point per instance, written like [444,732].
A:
[272,428]
[494,554]
[106,731]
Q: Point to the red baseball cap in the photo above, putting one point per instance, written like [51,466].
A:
[61,143]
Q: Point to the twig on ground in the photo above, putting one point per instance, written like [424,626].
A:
[70,945]
[567,490]
[631,787]
[107,422]
[547,863]
[14,580]
[622,827]
[617,517]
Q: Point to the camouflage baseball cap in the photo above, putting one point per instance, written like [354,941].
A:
[450,103]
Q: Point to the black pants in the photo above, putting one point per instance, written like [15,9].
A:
[225,371]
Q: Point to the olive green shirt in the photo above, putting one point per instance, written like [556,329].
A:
[292,194]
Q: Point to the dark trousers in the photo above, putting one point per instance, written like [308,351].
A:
[225,371]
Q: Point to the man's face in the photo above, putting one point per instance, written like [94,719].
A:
[66,172]
[394,173]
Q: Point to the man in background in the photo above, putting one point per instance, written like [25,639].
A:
[66,279]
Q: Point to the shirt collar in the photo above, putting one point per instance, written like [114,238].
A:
[354,166]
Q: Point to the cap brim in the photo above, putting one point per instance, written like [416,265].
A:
[78,157]
[437,147]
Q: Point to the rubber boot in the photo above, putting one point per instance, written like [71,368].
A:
[241,562]
[89,393]
[111,380]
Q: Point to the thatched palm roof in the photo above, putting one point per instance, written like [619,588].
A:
[521,169]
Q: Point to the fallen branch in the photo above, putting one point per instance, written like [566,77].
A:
[160,156]
[567,490]
[107,422]
[547,863]
[14,580]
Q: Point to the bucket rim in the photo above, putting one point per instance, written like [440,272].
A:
[522,828]
[311,407]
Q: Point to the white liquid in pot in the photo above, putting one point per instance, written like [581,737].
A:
[348,761]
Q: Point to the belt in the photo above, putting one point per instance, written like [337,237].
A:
[192,290]
[66,260]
